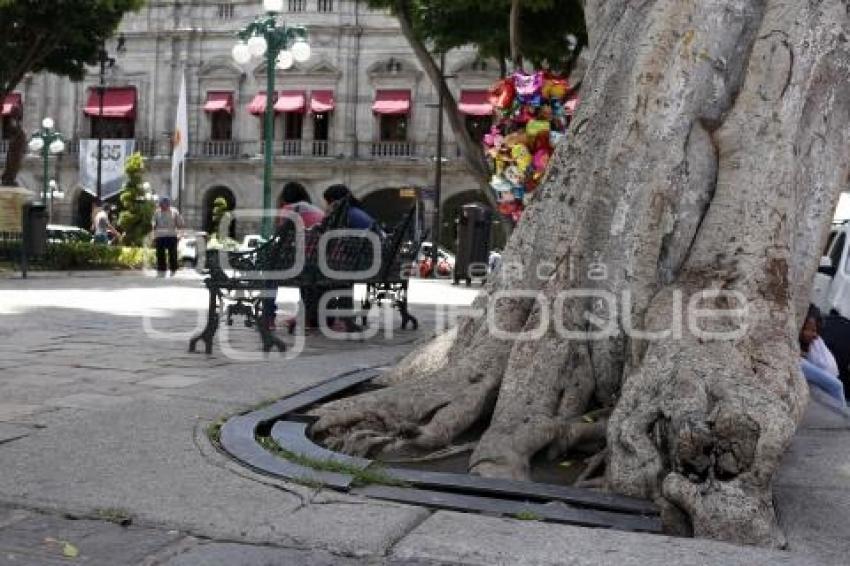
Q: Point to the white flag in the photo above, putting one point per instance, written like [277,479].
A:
[180,141]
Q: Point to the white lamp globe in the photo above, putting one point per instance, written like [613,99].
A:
[36,145]
[52,184]
[146,187]
[57,146]
[241,53]
[273,5]
[301,51]
[257,46]
[47,123]
[285,60]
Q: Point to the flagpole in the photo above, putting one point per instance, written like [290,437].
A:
[180,186]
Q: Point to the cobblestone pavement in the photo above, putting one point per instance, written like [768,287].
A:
[102,421]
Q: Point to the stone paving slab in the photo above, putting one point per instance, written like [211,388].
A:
[144,457]
[9,432]
[489,541]
[14,411]
[230,554]
[45,539]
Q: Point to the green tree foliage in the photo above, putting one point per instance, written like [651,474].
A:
[55,36]
[552,32]
[220,208]
[136,210]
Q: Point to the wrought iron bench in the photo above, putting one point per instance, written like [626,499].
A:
[325,258]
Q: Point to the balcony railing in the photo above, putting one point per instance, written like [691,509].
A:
[218,149]
[321,148]
[288,148]
[392,150]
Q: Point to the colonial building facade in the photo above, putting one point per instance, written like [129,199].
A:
[360,111]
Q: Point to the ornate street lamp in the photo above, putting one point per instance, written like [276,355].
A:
[282,47]
[46,141]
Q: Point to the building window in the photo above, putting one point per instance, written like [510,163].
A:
[226,11]
[479,65]
[297,5]
[478,126]
[221,126]
[293,125]
[113,114]
[393,128]
[326,5]
[113,128]
[321,127]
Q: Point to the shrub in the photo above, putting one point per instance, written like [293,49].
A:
[136,211]
[85,255]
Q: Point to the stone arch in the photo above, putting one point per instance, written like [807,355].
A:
[210,195]
[389,205]
[293,184]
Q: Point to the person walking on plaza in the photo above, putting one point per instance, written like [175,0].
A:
[166,224]
[101,226]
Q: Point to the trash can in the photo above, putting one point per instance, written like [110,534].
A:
[473,242]
[35,229]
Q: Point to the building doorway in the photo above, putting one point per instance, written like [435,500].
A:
[389,206]
[82,212]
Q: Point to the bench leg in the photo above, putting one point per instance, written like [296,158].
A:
[209,331]
[268,338]
[406,317]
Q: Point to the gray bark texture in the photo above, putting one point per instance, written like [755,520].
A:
[707,156]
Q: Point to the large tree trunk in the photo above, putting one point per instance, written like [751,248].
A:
[15,154]
[699,175]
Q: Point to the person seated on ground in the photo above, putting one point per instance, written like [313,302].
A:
[295,200]
[357,219]
[818,363]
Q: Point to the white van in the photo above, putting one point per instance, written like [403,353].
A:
[831,290]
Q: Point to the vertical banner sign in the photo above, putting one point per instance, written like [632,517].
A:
[115,153]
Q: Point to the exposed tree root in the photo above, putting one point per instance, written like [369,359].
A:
[592,465]
[434,456]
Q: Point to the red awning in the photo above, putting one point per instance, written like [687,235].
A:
[219,101]
[475,103]
[392,102]
[117,103]
[322,101]
[13,104]
[257,106]
[291,101]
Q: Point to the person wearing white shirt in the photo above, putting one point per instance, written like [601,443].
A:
[166,224]
[818,363]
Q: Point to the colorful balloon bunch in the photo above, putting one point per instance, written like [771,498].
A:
[534,111]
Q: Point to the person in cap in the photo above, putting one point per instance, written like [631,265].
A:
[167,222]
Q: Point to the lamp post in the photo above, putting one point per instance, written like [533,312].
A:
[46,141]
[105,61]
[282,46]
